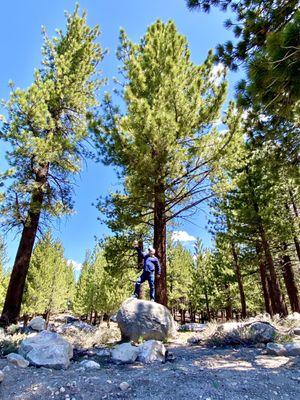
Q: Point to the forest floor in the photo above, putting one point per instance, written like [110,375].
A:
[197,372]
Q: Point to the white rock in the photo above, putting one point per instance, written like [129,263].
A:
[90,364]
[47,349]
[124,386]
[192,327]
[145,319]
[18,360]
[124,353]
[150,351]
[293,317]
[275,349]
[1,376]
[37,324]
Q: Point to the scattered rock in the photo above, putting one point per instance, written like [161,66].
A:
[288,349]
[37,324]
[192,327]
[150,351]
[18,360]
[103,353]
[74,327]
[47,349]
[89,364]
[145,319]
[296,331]
[124,386]
[292,349]
[1,376]
[124,353]
[275,349]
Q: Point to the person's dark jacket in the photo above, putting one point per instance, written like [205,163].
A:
[150,263]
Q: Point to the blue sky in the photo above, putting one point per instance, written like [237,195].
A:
[20,44]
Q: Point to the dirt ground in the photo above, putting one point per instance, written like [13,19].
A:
[196,373]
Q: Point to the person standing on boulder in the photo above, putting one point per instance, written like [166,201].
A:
[150,265]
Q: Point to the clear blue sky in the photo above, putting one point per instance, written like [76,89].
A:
[20,45]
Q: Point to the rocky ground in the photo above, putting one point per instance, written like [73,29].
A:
[261,362]
[197,372]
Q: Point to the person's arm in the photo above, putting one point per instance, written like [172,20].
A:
[158,268]
[140,252]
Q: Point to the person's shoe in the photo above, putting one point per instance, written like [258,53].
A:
[152,300]
[134,296]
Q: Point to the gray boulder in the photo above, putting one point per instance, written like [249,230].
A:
[288,349]
[275,349]
[47,349]
[124,353]
[17,359]
[150,351]
[292,349]
[262,332]
[37,324]
[145,319]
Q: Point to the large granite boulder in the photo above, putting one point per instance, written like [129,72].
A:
[47,349]
[142,319]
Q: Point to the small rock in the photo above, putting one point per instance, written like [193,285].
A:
[62,390]
[150,351]
[37,324]
[192,327]
[18,360]
[292,349]
[275,349]
[124,353]
[103,353]
[124,386]
[1,376]
[89,364]
[297,331]
[6,368]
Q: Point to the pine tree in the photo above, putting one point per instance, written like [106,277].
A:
[46,128]
[50,282]
[164,139]
[179,278]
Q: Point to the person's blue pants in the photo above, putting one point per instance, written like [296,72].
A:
[146,276]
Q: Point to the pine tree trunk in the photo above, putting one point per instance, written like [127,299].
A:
[207,306]
[297,246]
[264,280]
[239,280]
[14,294]
[229,303]
[289,280]
[278,305]
[140,262]
[160,243]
